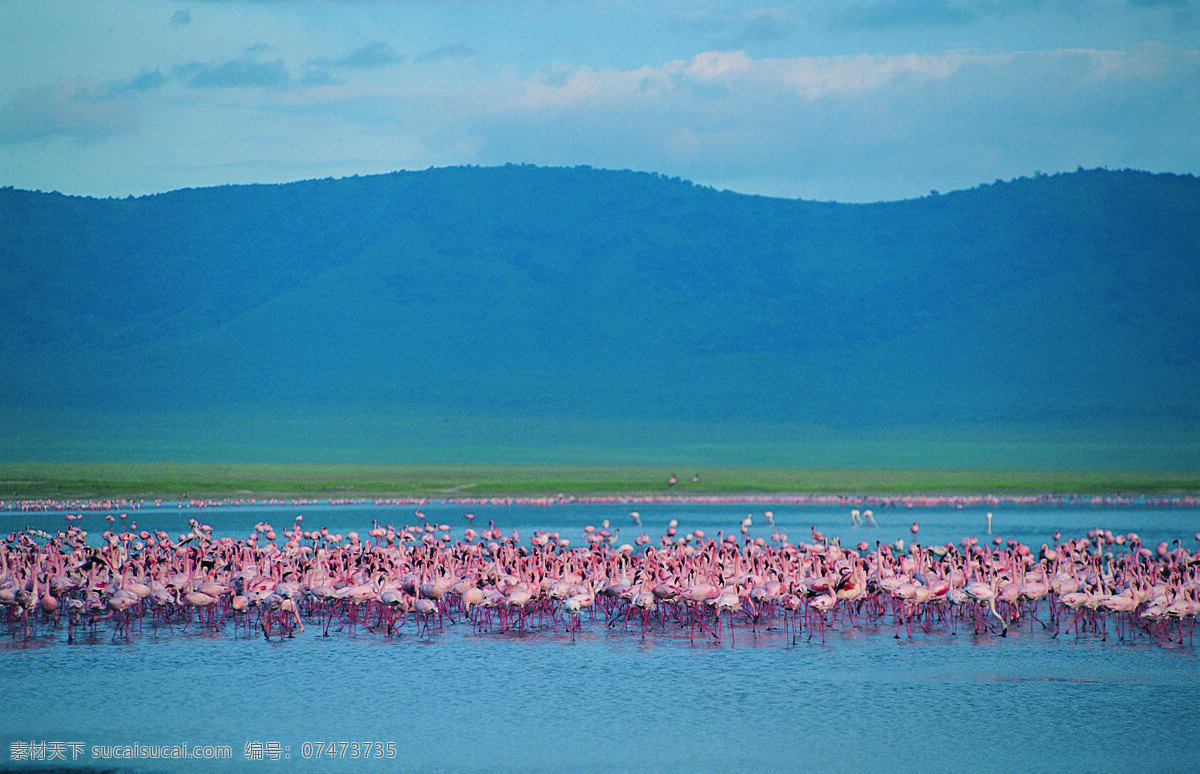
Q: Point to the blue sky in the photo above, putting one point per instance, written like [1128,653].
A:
[852,100]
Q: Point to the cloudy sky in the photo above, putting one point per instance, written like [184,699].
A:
[850,100]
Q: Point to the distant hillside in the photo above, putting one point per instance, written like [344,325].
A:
[550,299]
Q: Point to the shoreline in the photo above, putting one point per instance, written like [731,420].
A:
[190,481]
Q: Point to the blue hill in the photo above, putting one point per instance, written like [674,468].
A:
[525,313]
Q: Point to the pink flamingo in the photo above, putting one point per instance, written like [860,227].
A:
[985,594]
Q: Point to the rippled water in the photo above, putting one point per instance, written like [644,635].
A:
[612,700]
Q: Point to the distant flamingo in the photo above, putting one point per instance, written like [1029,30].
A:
[684,580]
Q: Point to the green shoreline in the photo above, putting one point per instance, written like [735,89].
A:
[26,481]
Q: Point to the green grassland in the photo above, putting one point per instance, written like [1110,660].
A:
[193,480]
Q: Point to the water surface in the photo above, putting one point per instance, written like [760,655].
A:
[613,700]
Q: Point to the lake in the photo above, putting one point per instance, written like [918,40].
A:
[611,698]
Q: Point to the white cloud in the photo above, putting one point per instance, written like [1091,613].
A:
[712,65]
[897,125]
[377,53]
[242,72]
[819,77]
[77,108]
[450,51]
[812,78]
[879,122]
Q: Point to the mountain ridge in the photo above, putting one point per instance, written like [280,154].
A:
[1064,301]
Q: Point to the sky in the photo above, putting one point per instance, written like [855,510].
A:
[843,100]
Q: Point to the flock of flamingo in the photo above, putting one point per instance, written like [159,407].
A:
[683,582]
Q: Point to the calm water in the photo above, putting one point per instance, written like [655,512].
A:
[612,700]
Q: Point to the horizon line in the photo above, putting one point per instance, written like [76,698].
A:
[588,167]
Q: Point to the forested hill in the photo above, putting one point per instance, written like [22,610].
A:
[534,293]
